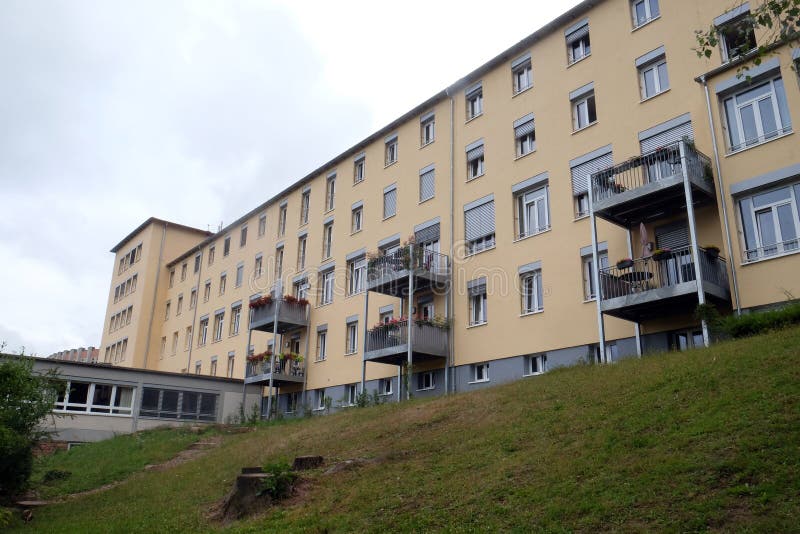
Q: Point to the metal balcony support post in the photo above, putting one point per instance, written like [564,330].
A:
[637,329]
[246,354]
[364,350]
[305,358]
[277,300]
[601,329]
[410,322]
[698,268]
[449,337]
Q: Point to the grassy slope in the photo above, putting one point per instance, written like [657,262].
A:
[701,440]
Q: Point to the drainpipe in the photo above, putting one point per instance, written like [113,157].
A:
[723,198]
[155,295]
[277,301]
[449,300]
[194,316]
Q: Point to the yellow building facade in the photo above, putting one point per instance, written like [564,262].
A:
[598,156]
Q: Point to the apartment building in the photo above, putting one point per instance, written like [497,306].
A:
[572,200]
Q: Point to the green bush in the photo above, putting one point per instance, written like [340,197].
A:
[279,485]
[16,461]
[758,322]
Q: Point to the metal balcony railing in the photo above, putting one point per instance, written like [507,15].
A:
[291,312]
[425,338]
[776,249]
[661,164]
[646,274]
[282,367]
[425,261]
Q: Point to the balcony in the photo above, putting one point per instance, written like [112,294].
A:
[284,373]
[652,288]
[291,315]
[650,186]
[389,274]
[389,343]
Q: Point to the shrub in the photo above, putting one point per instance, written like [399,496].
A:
[279,485]
[755,323]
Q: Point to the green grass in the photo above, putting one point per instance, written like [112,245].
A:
[695,441]
[95,464]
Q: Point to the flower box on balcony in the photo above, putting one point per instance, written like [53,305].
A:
[712,251]
[662,254]
[625,263]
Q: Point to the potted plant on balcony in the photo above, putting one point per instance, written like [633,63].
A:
[624,263]
[260,302]
[661,254]
[290,299]
[712,251]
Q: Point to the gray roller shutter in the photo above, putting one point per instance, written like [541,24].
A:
[389,203]
[672,236]
[427,185]
[581,173]
[524,126]
[479,221]
[477,286]
[577,31]
[475,153]
[667,138]
[426,235]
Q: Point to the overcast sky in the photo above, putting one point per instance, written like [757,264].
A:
[195,112]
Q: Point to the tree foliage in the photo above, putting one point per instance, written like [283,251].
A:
[26,398]
[777,20]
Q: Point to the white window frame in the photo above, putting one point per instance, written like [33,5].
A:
[322,345]
[219,323]
[202,339]
[474,102]
[262,224]
[579,49]
[726,51]
[754,103]
[648,12]
[282,212]
[530,288]
[522,77]
[357,219]
[223,283]
[327,283]
[535,364]
[477,309]
[580,111]
[239,276]
[351,394]
[587,268]
[302,244]
[110,410]
[327,241]
[427,131]
[390,152]
[357,276]
[426,381]
[476,167]
[527,203]
[236,318]
[385,386]
[582,205]
[525,144]
[781,246]
[659,85]
[351,338]
[330,193]
[305,207]
[359,168]
[480,373]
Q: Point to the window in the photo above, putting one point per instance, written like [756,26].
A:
[359,169]
[477,301]
[390,150]
[187,341]
[236,317]
[231,363]
[327,241]
[474,100]
[480,372]
[213,368]
[179,307]
[166,310]
[357,275]
[95,398]
[584,111]
[239,275]
[322,345]
[687,339]
[258,269]
[301,253]
[197,260]
[351,394]
[226,247]
[193,298]
[319,399]
[171,281]
[535,365]
[327,283]
[390,201]
[330,192]
[357,219]
[211,252]
[425,381]
[771,222]
[581,168]
[279,262]
[525,135]
[653,77]
[203,337]
[587,263]
[578,43]
[223,280]
[163,349]
[427,183]
[757,114]
[243,236]
[178,404]
[532,291]
[282,221]
[385,386]
[644,11]
[533,212]
[479,225]
[475,164]
[262,224]
[218,322]
[521,73]
[183,271]
[305,207]
[300,289]
[207,291]
[351,340]
[427,129]
[174,343]
[736,35]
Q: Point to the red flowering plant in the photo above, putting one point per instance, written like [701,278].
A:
[390,324]
[260,357]
[291,299]
[260,302]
